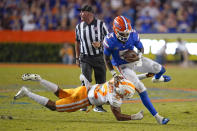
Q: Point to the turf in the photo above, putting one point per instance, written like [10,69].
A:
[28,115]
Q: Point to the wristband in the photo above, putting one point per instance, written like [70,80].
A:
[140,55]
[113,73]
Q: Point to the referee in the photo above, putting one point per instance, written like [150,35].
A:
[89,49]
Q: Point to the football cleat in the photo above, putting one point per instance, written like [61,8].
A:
[84,109]
[21,93]
[99,109]
[165,121]
[163,78]
[166,78]
[33,77]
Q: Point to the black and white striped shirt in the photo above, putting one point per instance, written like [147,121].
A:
[88,33]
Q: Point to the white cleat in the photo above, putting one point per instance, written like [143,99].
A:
[33,77]
[161,79]
[138,116]
[21,93]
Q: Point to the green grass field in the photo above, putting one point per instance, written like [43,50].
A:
[25,114]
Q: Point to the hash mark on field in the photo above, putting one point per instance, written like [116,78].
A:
[156,94]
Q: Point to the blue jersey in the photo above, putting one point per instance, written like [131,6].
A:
[114,47]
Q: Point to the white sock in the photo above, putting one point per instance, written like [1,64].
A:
[86,82]
[49,85]
[158,118]
[142,76]
[39,99]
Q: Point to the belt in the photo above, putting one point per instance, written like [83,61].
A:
[97,55]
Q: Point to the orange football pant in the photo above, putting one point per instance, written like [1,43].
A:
[72,99]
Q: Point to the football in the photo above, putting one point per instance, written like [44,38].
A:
[130,56]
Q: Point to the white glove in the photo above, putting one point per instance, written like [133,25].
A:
[140,55]
[138,116]
[138,63]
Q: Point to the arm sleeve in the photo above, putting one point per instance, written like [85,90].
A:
[107,50]
[77,33]
[105,30]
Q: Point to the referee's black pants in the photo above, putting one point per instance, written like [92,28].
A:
[96,63]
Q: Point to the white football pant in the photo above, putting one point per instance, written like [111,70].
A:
[148,65]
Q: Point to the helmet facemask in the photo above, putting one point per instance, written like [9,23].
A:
[123,36]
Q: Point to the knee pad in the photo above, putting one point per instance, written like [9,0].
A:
[139,86]
[131,76]
[157,68]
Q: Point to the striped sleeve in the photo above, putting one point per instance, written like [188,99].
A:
[77,33]
[105,30]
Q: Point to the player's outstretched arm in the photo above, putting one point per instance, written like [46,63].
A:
[108,63]
[111,69]
[123,117]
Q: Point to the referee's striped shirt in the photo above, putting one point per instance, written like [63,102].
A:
[88,33]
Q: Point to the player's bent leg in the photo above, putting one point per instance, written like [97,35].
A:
[159,77]
[141,89]
[21,93]
[161,120]
[145,75]
[37,98]
[47,84]
[147,102]
[153,67]
[50,86]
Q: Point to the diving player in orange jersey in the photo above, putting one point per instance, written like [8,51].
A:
[71,100]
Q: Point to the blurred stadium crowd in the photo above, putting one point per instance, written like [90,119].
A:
[147,16]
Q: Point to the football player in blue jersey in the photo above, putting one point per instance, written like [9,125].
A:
[125,38]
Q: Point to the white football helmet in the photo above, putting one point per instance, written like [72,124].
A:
[125,89]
